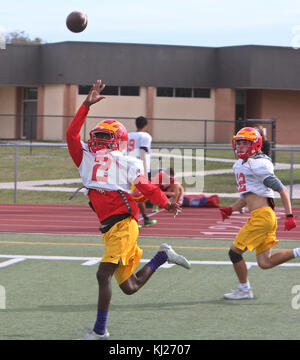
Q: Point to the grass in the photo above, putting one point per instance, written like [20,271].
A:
[42,163]
[41,197]
[55,163]
[54,299]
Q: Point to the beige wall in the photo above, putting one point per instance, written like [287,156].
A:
[53,105]
[127,108]
[115,107]
[7,106]
[284,105]
[224,110]
[183,108]
[162,130]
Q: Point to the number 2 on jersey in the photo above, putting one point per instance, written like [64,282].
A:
[104,166]
[241,182]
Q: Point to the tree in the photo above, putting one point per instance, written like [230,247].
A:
[20,37]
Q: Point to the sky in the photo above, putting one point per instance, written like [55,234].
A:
[212,23]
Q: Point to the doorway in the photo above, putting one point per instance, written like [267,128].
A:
[240,109]
[29,110]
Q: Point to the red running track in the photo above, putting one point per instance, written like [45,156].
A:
[80,219]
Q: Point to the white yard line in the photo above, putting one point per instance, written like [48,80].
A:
[90,261]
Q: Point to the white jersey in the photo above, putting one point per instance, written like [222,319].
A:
[138,140]
[111,171]
[251,174]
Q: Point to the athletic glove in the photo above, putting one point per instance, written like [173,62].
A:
[226,211]
[290,222]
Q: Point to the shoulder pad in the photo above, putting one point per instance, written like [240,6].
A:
[262,156]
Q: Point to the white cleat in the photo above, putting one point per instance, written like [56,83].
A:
[91,335]
[173,257]
[239,294]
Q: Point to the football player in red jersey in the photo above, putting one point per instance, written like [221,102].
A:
[108,175]
[170,185]
[256,183]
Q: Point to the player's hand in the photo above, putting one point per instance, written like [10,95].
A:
[94,94]
[290,223]
[226,212]
[174,208]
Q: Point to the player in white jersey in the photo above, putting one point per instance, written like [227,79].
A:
[139,143]
[139,146]
[256,182]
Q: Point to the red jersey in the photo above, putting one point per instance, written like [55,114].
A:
[109,201]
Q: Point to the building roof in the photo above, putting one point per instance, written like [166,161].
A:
[248,66]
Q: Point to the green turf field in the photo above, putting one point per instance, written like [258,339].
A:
[50,298]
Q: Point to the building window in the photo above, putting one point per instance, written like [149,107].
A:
[112,90]
[201,93]
[183,92]
[84,89]
[164,91]
[130,91]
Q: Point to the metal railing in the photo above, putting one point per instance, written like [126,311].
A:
[29,126]
[16,147]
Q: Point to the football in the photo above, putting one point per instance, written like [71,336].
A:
[76,21]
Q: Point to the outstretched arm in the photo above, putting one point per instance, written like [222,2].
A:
[73,132]
[73,135]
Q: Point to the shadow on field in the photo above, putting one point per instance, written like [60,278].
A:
[135,306]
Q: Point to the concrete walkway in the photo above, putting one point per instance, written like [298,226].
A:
[48,185]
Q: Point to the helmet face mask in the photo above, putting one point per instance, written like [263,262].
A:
[242,147]
[247,142]
[109,135]
[100,140]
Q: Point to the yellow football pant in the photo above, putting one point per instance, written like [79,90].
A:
[121,248]
[259,232]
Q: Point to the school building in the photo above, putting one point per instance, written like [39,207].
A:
[42,86]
